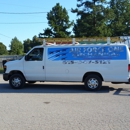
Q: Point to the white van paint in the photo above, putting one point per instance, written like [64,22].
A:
[90,64]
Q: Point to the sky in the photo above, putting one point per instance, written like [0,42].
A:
[15,22]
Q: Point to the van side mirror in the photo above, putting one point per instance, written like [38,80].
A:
[26,57]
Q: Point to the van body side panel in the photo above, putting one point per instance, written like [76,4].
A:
[55,71]
[70,63]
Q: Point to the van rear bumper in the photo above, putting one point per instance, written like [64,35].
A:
[128,81]
[6,76]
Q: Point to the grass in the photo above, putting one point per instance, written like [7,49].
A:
[1,70]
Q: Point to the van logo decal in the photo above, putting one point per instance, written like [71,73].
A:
[88,53]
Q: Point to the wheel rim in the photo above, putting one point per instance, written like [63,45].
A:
[16,82]
[92,83]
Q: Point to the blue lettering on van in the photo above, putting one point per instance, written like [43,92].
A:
[88,53]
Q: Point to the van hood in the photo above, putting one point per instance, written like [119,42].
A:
[14,65]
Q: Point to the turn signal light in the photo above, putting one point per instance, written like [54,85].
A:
[4,66]
[129,67]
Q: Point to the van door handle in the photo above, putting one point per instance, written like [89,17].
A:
[43,67]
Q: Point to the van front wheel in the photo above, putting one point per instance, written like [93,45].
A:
[17,81]
[93,82]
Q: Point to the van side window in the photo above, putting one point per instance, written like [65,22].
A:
[35,55]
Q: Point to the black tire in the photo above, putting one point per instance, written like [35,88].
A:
[31,82]
[93,82]
[17,81]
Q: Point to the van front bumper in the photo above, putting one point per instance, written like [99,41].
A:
[6,76]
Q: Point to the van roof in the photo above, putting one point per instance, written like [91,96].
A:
[70,45]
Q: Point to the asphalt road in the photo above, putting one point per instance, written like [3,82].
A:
[64,106]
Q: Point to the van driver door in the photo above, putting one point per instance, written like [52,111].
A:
[34,65]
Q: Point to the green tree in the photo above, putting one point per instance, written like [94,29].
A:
[35,41]
[120,22]
[28,44]
[59,23]
[91,18]
[3,50]
[16,47]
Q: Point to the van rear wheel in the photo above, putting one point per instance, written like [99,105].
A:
[93,82]
[17,81]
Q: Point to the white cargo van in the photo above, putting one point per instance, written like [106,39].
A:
[90,64]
